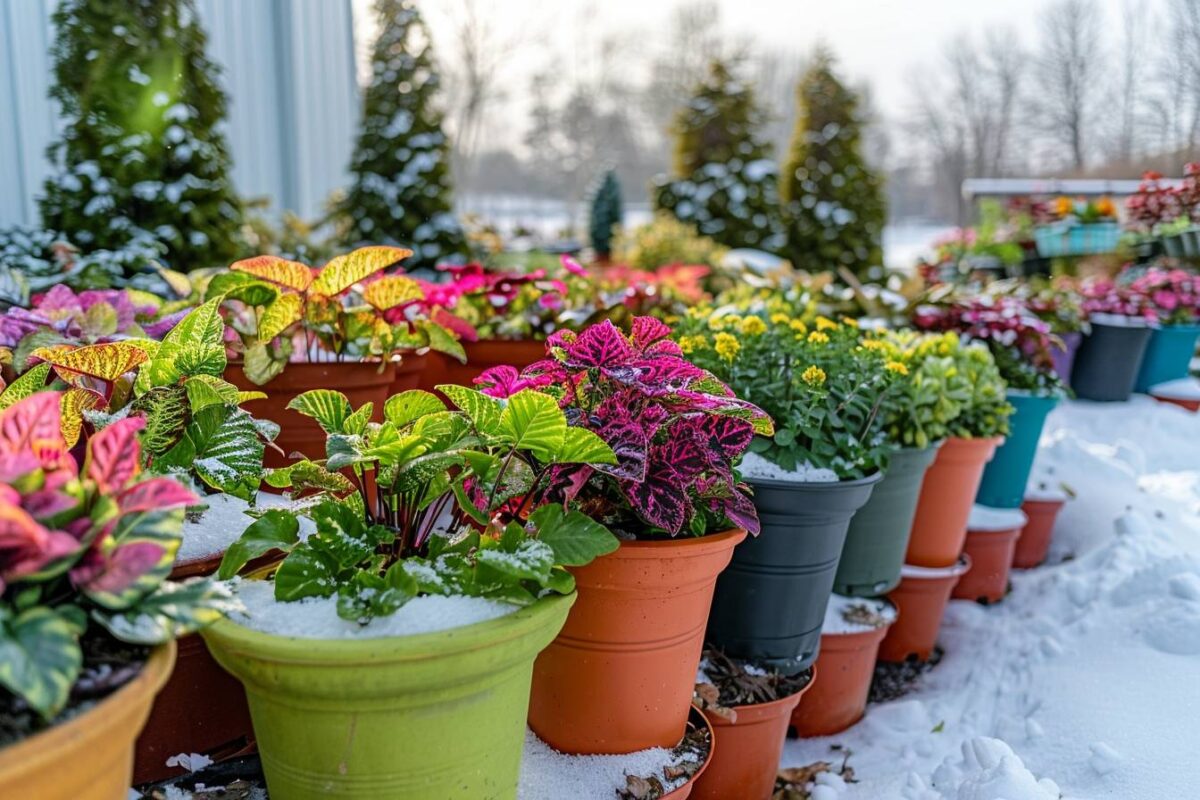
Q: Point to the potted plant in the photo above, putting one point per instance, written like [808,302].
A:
[619,677]
[327,327]
[826,392]
[1067,227]
[1174,297]
[917,413]
[390,653]
[1057,303]
[87,617]
[1110,356]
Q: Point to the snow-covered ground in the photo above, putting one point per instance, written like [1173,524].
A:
[1085,681]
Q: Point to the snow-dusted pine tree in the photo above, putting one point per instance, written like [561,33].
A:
[142,152]
[724,180]
[834,204]
[401,192]
[606,214]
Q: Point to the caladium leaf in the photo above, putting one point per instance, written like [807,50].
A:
[391,291]
[260,365]
[574,538]
[344,271]
[288,274]
[329,408]
[174,609]
[533,421]
[40,658]
[32,381]
[114,456]
[202,326]
[32,424]
[243,287]
[276,529]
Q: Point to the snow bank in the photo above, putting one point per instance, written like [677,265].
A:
[547,774]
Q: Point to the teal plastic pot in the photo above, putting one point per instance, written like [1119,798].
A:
[1168,356]
[769,603]
[436,716]
[878,535]
[1007,474]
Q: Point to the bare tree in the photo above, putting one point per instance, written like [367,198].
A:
[1133,51]
[1070,63]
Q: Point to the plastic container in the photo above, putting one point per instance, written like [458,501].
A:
[991,542]
[920,601]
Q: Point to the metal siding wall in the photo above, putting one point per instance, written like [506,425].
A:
[287,67]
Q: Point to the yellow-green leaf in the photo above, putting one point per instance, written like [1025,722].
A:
[391,291]
[106,362]
[344,271]
[279,315]
[290,274]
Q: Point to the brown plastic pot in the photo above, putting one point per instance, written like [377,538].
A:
[360,381]
[620,676]
[991,553]
[846,666]
[747,750]
[487,353]
[920,602]
[409,373]
[1035,537]
[947,494]
[90,756]
[698,720]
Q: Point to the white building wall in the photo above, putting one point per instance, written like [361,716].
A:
[288,71]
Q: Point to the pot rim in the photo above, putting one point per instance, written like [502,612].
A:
[937,573]
[762,710]
[867,633]
[700,718]
[1017,519]
[775,483]
[648,548]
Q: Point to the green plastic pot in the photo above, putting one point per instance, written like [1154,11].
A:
[769,603]
[436,716]
[879,531]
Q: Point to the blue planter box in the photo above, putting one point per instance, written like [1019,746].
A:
[1063,239]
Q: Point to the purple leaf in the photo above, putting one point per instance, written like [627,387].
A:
[729,436]
[645,331]
[600,345]
[660,499]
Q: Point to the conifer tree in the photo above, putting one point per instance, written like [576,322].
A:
[401,193]
[141,154]
[724,180]
[606,214]
[834,205]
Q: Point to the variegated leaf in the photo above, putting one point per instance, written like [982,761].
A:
[106,362]
[75,403]
[113,455]
[283,312]
[137,556]
[32,381]
[329,408]
[40,658]
[391,291]
[289,274]
[344,271]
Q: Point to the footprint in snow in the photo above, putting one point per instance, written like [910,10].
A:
[1104,758]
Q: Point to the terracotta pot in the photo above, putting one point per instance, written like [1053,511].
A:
[410,372]
[434,373]
[1191,404]
[485,353]
[360,381]
[947,494]
[920,602]
[620,676]
[991,548]
[746,750]
[846,666]
[1035,536]
[90,756]
[696,719]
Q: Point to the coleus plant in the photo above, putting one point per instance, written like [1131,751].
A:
[677,431]
[81,548]
[499,303]
[281,311]
[1172,294]
[458,502]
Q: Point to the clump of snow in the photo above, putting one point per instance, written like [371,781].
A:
[1119,321]
[755,466]
[317,618]
[914,571]
[988,770]
[192,762]
[986,518]
[1181,389]
[846,614]
[547,774]
[223,521]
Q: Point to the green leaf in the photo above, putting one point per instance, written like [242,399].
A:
[441,340]
[207,390]
[531,560]
[328,407]
[581,446]
[358,421]
[165,409]
[260,365]
[368,595]
[32,381]
[483,411]
[575,538]
[222,447]
[304,475]
[40,658]
[409,406]
[203,326]
[274,530]
[175,609]
[533,421]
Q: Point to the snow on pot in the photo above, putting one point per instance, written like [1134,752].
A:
[748,709]
[620,676]
[1168,355]
[1064,356]
[1184,393]
[920,602]
[991,541]
[770,602]
[1007,473]
[1107,364]
[1041,508]
[947,494]
[854,627]
[878,534]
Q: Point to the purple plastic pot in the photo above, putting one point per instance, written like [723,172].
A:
[1064,359]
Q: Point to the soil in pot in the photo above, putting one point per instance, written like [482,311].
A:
[1064,357]
[749,709]
[895,679]
[487,353]
[878,535]
[992,535]
[920,602]
[947,494]
[619,678]
[87,752]
[1035,538]
[1109,358]
[854,627]
[770,603]
[1168,355]
[1006,475]
[360,381]
[427,703]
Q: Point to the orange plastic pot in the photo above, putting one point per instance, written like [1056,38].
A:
[746,750]
[1191,404]
[991,553]
[698,720]
[619,678]
[90,756]
[487,353]
[947,494]
[1035,537]
[846,666]
[360,381]
[920,602]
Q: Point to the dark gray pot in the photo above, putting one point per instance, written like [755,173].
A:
[1107,364]
[879,531]
[769,603]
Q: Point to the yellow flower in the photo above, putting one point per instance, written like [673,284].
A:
[1105,207]
[781,319]
[690,344]
[753,326]
[813,376]
[1063,206]
[851,321]
[816,337]
[798,326]
[826,324]
[727,346]
[897,367]
[716,323]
